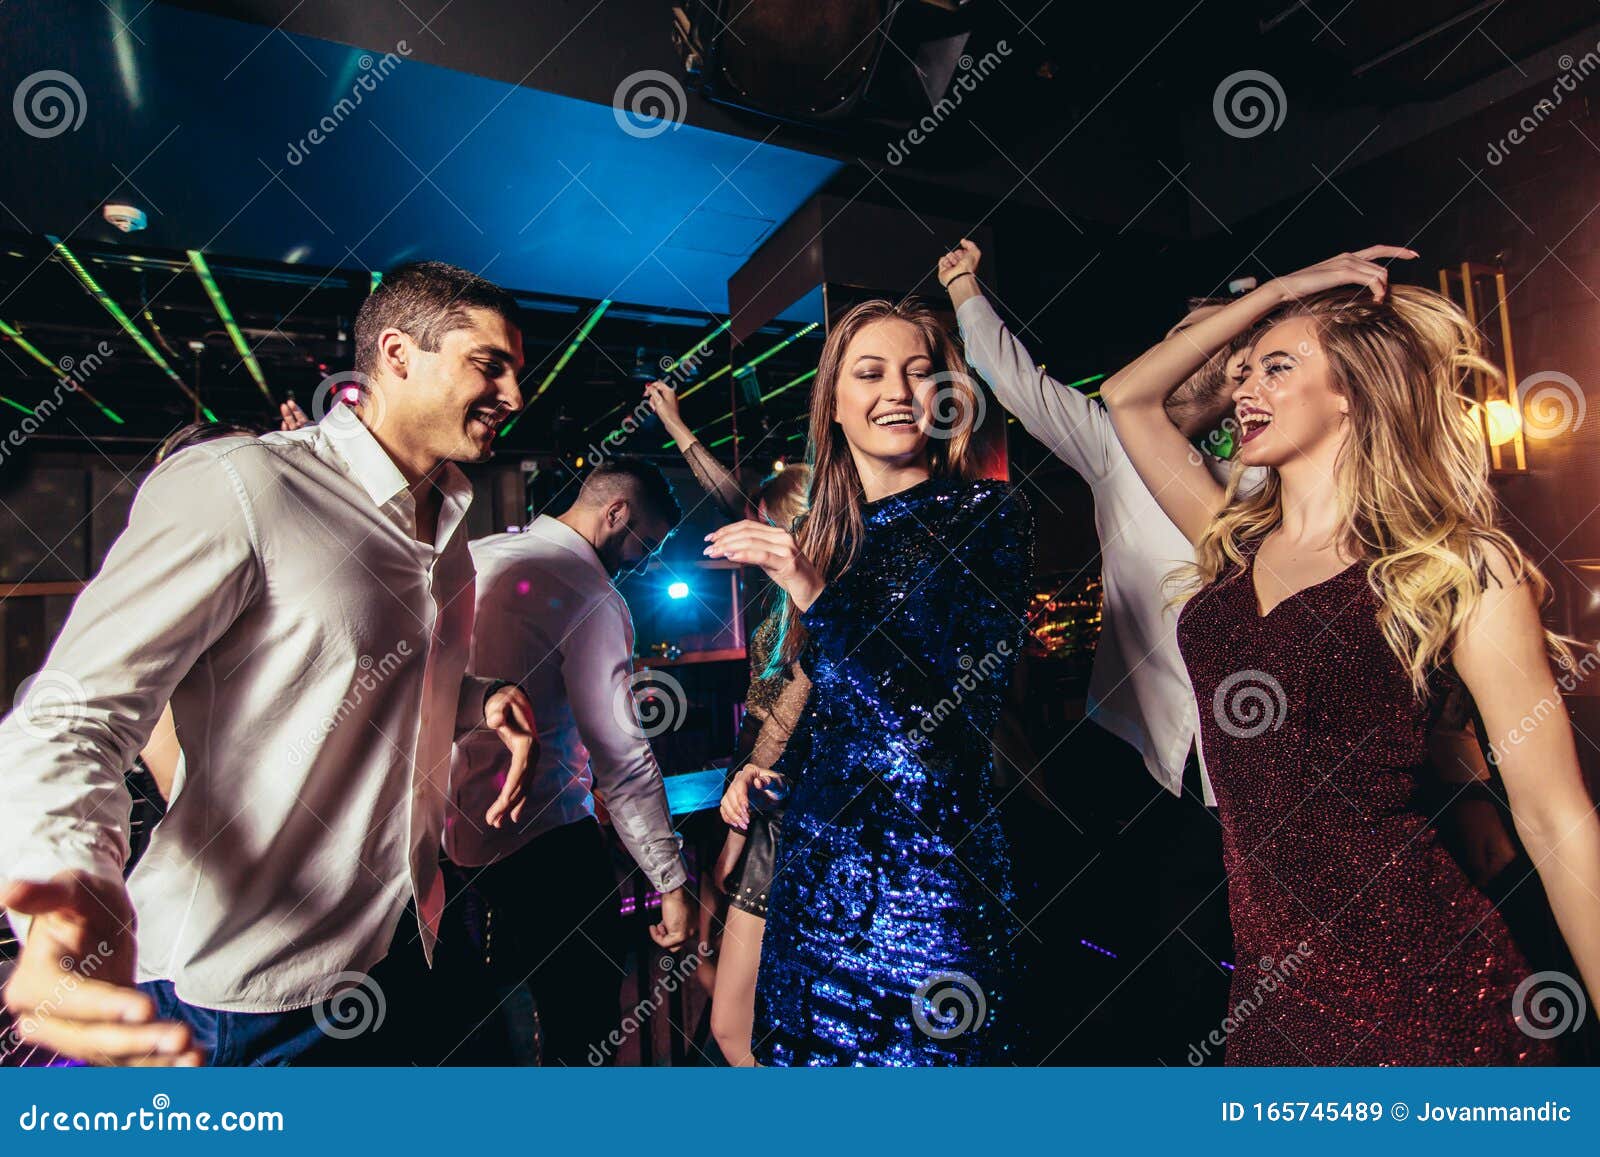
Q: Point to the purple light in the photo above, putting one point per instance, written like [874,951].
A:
[1097,948]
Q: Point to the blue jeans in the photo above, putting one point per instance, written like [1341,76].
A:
[244,1038]
[421,1020]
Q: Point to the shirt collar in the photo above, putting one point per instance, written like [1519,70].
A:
[558,533]
[370,465]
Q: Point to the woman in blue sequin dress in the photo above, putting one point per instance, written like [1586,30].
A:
[890,927]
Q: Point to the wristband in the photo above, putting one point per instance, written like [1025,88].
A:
[958,277]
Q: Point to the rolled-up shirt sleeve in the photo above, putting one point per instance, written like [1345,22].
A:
[597,668]
[182,572]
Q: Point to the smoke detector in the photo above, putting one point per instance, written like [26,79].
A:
[127,218]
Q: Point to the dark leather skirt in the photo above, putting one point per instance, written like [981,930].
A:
[751,877]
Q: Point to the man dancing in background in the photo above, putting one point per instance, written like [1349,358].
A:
[551,620]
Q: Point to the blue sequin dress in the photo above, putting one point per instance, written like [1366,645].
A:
[890,926]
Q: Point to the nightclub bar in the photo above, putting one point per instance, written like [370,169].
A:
[878,533]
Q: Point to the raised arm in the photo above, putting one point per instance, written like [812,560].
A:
[1069,423]
[713,477]
[1500,655]
[1136,395]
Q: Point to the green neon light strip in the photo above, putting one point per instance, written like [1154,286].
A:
[220,304]
[32,351]
[16,405]
[377,280]
[694,350]
[1085,381]
[65,256]
[753,362]
[769,395]
[572,347]
[699,348]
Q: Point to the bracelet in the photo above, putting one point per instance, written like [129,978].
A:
[958,277]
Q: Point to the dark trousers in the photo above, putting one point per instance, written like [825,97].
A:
[1186,928]
[554,925]
[397,1014]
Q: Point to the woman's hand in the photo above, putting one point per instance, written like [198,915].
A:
[292,416]
[663,401]
[736,800]
[775,551]
[954,268]
[1358,268]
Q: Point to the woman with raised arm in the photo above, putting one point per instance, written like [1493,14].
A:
[1330,611]
[889,925]
[773,704]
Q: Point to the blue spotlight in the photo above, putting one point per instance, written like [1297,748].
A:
[678,591]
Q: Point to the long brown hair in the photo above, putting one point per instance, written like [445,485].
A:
[830,534]
[1412,476]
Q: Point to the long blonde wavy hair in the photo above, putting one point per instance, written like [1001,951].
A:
[831,532]
[1412,476]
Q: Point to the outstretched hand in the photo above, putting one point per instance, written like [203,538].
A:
[72,990]
[775,551]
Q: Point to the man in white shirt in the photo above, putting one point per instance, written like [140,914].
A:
[551,619]
[1139,688]
[304,601]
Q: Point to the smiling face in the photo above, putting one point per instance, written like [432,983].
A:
[451,402]
[1287,405]
[884,396]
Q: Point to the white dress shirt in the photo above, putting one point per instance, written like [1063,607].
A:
[550,620]
[1139,689]
[273,590]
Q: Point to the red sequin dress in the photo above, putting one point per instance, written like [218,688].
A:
[1359,939]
